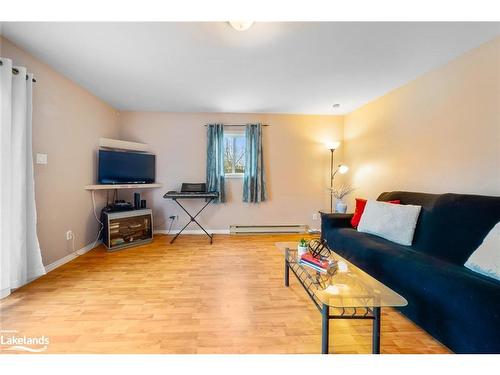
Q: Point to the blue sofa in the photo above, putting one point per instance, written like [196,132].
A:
[458,307]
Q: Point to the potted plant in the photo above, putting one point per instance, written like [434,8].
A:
[339,193]
[302,247]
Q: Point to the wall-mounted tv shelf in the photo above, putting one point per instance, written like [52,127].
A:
[122,145]
[122,186]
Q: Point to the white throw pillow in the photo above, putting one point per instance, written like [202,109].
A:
[394,222]
[486,258]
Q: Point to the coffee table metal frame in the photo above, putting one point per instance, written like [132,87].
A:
[308,282]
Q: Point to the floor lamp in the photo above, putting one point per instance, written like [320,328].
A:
[332,146]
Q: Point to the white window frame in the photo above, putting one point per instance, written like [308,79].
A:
[234,175]
[233,133]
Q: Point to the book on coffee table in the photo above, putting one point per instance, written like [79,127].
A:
[315,263]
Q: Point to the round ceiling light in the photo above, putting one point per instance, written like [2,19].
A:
[241,25]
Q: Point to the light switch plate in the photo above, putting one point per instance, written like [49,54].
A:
[41,158]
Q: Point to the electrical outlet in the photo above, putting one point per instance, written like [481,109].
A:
[69,234]
[41,158]
[315,216]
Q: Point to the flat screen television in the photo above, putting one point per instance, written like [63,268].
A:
[124,167]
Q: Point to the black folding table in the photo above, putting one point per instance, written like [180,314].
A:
[175,196]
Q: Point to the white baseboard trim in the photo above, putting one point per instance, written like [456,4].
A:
[191,231]
[68,258]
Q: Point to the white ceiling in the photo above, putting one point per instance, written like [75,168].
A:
[299,67]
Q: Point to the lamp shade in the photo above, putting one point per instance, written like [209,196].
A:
[343,168]
[332,145]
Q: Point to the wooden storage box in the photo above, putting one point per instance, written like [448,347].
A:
[127,228]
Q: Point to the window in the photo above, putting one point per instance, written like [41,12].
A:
[234,154]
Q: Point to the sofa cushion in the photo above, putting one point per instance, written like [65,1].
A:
[363,249]
[451,226]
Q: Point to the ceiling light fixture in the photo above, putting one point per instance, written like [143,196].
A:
[241,25]
[336,105]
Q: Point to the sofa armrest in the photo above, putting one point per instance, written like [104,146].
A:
[335,221]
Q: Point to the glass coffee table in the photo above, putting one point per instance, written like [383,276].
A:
[346,293]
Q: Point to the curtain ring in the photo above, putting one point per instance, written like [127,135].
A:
[16,71]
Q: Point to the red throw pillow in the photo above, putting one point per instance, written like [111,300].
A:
[360,207]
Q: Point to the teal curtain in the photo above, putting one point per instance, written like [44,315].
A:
[254,181]
[215,160]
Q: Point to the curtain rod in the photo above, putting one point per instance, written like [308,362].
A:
[237,124]
[16,71]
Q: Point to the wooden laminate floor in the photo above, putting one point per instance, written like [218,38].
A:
[190,297]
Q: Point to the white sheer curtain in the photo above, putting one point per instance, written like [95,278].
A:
[20,257]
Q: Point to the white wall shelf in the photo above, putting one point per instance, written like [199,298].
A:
[123,145]
[123,186]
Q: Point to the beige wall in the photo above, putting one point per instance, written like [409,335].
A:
[296,162]
[67,123]
[439,133]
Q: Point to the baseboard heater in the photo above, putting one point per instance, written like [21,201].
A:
[285,228]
